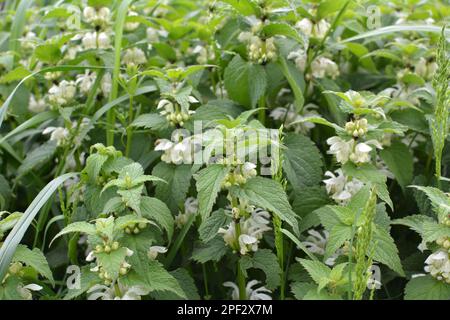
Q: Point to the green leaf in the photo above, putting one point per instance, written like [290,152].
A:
[338,235]
[94,164]
[300,289]
[49,53]
[265,260]
[79,226]
[245,82]
[186,283]
[415,222]
[281,29]
[316,269]
[385,251]
[427,288]
[209,227]
[112,261]
[213,250]
[295,80]
[439,201]
[178,180]
[302,161]
[153,121]
[35,259]
[155,209]
[209,181]
[269,194]
[400,161]
[329,7]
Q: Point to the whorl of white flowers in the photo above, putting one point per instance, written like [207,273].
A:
[36,106]
[100,17]
[425,69]
[96,40]
[179,150]
[260,293]
[29,41]
[26,291]
[204,54]
[310,29]
[316,242]
[176,114]
[252,229]
[190,208]
[106,84]
[86,81]
[438,265]
[130,26]
[357,152]
[299,57]
[239,175]
[323,67]
[340,187]
[134,57]
[259,50]
[103,292]
[58,134]
[63,93]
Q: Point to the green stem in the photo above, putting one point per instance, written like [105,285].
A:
[262,110]
[129,128]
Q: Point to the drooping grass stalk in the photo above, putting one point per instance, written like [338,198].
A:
[18,25]
[439,122]
[364,236]
[262,110]
[119,23]
[177,244]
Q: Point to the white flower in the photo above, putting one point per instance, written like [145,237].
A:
[190,208]
[86,81]
[180,150]
[154,251]
[425,69]
[109,293]
[322,67]
[252,229]
[100,16]
[63,93]
[30,40]
[320,29]
[26,291]
[130,26]
[134,56]
[340,187]
[260,293]
[94,40]
[316,243]
[438,265]
[305,26]
[89,14]
[36,106]
[103,41]
[106,84]
[340,148]
[300,57]
[361,152]
[58,134]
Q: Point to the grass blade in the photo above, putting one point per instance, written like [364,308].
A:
[15,236]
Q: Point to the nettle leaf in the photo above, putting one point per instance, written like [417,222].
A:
[431,231]
[155,209]
[300,289]
[245,82]
[146,272]
[112,261]
[213,250]
[339,234]
[130,219]
[415,222]
[302,161]
[265,260]
[368,173]
[439,201]
[178,180]
[35,259]
[186,283]
[269,195]
[209,181]
[400,161]
[427,288]
[132,197]
[80,226]
[316,269]
[281,29]
[94,164]
[87,280]
[385,250]
[209,227]
[153,121]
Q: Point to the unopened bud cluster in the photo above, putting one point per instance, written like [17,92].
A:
[357,128]
[262,51]
[240,175]
[135,228]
